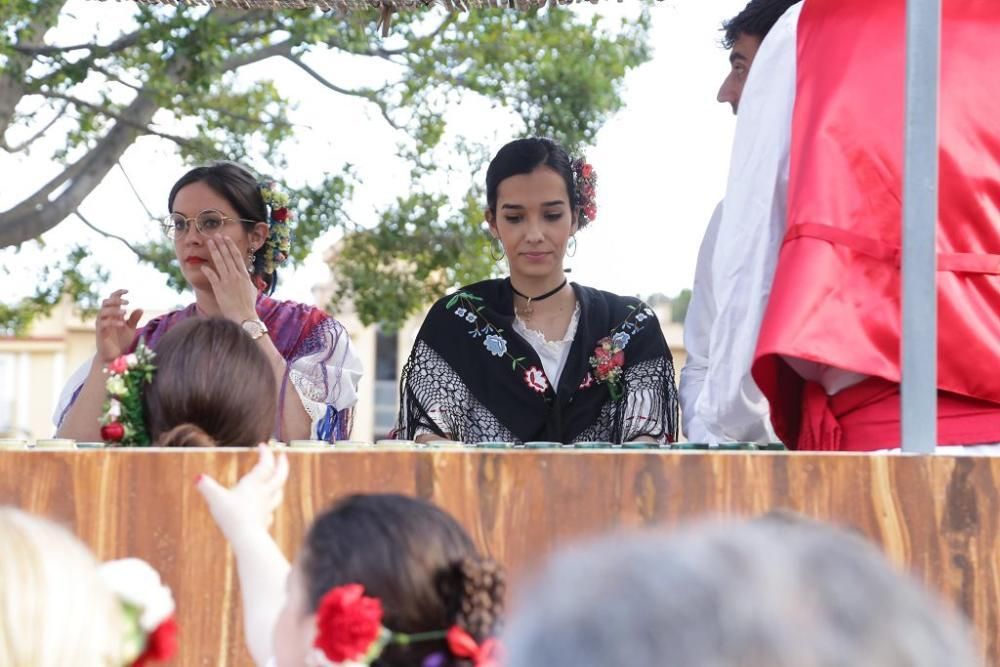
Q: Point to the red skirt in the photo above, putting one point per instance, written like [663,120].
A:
[866,417]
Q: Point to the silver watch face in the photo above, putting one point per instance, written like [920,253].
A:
[255,328]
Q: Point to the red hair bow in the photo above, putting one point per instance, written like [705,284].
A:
[462,645]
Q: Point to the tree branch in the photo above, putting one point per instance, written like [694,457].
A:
[368,94]
[134,191]
[37,135]
[109,235]
[279,49]
[122,118]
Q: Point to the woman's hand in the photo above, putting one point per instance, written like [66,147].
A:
[251,503]
[234,291]
[115,333]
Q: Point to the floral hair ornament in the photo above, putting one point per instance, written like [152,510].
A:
[349,633]
[586,190]
[122,423]
[148,607]
[279,218]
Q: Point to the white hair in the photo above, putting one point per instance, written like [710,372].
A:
[54,608]
[771,593]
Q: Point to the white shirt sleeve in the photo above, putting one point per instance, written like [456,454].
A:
[69,392]
[697,334]
[750,235]
[324,379]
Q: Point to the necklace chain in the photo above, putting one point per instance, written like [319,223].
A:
[528,310]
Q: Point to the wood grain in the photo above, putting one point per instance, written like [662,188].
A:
[935,516]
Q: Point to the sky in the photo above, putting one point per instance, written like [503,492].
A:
[662,162]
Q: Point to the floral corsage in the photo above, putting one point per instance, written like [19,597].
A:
[349,633]
[148,606]
[122,422]
[608,363]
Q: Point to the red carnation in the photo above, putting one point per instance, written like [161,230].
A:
[161,645]
[587,170]
[118,366]
[112,432]
[618,359]
[347,623]
[281,214]
[590,212]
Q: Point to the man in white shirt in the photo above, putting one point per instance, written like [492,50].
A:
[744,35]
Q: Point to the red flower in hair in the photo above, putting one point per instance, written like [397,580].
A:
[161,645]
[462,645]
[587,170]
[118,366]
[112,432]
[347,623]
[280,214]
[590,212]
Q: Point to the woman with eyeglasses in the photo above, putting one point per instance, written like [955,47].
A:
[229,234]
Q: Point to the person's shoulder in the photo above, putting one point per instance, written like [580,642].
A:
[484,289]
[617,305]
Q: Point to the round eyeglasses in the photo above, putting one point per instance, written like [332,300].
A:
[208,223]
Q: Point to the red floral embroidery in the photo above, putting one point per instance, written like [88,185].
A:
[535,378]
[588,382]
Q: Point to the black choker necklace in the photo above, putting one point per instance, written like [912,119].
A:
[526,312]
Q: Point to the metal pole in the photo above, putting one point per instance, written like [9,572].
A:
[920,214]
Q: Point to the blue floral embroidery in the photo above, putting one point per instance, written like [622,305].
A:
[496,345]
[621,339]
[470,318]
[461,312]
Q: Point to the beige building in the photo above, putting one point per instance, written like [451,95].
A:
[35,368]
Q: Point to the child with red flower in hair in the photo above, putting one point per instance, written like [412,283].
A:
[381,579]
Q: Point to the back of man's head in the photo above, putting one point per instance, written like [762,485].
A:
[756,20]
[755,594]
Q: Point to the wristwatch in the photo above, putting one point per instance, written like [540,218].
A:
[254,328]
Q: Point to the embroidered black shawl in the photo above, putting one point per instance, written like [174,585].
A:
[484,382]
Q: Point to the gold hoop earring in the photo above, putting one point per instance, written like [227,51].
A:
[494,243]
[571,247]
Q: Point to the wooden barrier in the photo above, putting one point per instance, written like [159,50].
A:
[937,516]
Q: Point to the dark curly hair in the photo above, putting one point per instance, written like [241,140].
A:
[756,19]
[416,559]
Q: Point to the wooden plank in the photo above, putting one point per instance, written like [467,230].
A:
[936,516]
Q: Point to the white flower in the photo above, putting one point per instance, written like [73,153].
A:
[131,360]
[640,317]
[470,318]
[137,584]
[461,312]
[116,385]
[114,408]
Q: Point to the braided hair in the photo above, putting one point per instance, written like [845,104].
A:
[417,560]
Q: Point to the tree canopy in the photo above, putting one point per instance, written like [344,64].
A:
[172,73]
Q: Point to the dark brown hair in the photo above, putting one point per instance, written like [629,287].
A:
[213,386]
[240,188]
[416,559]
[523,156]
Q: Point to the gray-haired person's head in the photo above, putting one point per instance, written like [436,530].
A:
[752,594]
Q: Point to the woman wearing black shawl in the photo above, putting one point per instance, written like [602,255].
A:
[533,357]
